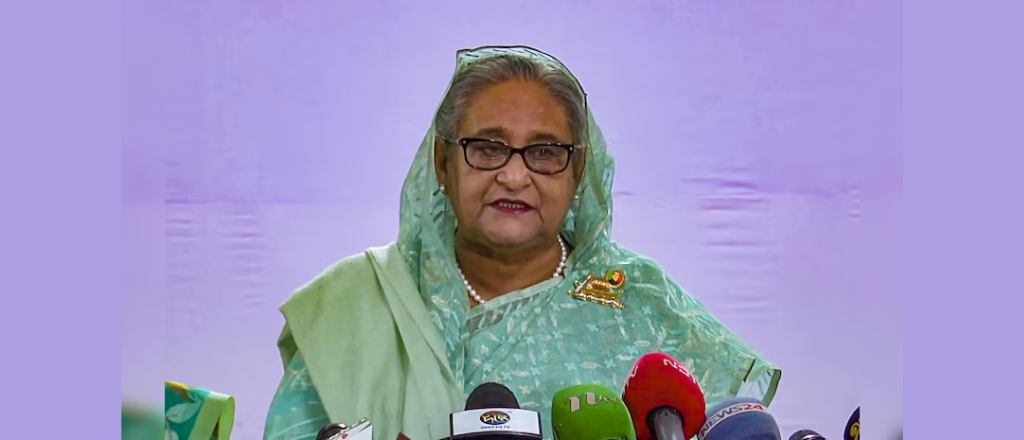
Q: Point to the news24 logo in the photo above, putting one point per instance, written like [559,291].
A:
[494,418]
[724,413]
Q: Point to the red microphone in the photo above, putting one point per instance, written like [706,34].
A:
[664,399]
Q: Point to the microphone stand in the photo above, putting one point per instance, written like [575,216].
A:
[666,423]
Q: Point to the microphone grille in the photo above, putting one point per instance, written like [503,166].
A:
[806,434]
[491,395]
[329,430]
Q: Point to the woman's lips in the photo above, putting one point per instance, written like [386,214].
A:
[511,207]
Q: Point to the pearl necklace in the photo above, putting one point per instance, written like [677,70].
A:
[476,297]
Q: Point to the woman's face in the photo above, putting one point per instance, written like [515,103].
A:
[510,207]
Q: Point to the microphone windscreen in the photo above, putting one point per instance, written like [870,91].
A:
[590,412]
[329,430]
[741,418]
[852,431]
[491,395]
[658,380]
[807,434]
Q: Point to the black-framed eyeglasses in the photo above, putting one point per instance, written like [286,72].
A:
[543,158]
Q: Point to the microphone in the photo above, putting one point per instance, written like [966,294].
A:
[852,431]
[741,418]
[806,434]
[590,412]
[330,430]
[663,398]
[491,395]
[363,430]
[492,413]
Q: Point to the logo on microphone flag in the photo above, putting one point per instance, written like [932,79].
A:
[494,418]
[473,423]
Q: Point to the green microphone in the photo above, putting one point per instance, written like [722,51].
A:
[590,412]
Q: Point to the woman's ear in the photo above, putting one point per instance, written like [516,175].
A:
[441,160]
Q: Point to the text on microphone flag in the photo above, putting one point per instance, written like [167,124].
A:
[729,411]
[591,400]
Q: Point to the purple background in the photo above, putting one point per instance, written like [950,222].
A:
[755,149]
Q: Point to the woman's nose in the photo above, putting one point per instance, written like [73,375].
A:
[515,174]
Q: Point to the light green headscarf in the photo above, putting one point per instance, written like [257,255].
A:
[428,348]
[428,220]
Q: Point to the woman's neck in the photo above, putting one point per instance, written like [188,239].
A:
[494,273]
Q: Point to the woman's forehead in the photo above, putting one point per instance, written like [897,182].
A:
[533,135]
[467,57]
[516,109]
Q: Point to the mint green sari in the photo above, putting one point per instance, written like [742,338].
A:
[390,334]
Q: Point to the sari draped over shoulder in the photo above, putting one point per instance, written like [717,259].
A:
[390,334]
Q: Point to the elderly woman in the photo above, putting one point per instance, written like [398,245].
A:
[504,271]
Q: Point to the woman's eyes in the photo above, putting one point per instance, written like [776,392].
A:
[493,151]
[543,153]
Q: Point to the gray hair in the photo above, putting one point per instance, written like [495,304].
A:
[495,70]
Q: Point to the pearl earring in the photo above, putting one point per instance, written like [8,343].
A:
[442,188]
[577,196]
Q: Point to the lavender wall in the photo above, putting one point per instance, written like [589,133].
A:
[757,145]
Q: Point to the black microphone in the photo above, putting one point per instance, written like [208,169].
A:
[492,413]
[806,434]
[852,431]
[491,395]
[362,430]
[330,430]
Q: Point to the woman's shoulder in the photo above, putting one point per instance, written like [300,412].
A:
[644,270]
[729,367]
[346,291]
[353,272]
[648,282]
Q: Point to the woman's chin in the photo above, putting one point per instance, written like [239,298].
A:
[511,239]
